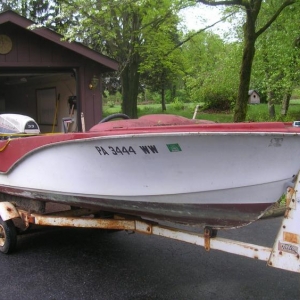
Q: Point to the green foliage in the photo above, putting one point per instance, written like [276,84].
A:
[212,71]
[37,11]
[218,100]
[181,94]
[154,97]
[255,113]
[116,98]
[259,113]
[253,27]
[144,37]
[177,104]
[110,104]
[185,109]
[276,69]
[296,93]
[140,35]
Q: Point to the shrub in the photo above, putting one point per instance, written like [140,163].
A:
[153,97]
[218,100]
[111,104]
[177,104]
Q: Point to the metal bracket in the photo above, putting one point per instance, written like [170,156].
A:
[209,233]
[286,250]
[8,211]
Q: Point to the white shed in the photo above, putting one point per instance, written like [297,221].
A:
[254,97]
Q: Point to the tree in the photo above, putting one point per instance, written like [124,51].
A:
[252,9]
[122,30]
[211,70]
[36,10]
[167,66]
[162,64]
[276,68]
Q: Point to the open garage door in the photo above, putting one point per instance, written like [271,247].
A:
[41,94]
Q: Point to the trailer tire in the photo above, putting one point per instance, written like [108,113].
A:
[8,236]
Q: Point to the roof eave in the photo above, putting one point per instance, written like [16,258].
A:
[10,16]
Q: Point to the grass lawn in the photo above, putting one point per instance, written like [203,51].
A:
[256,112]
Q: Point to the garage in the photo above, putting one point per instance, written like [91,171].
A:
[47,78]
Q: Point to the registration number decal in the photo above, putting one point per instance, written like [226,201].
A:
[115,150]
[126,150]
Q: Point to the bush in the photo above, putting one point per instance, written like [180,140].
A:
[177,104]
[182,95]
[218,100]
[111,104]
[296,94]
[116,98]
[152,97]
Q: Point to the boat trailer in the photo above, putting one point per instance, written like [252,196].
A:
[285,253]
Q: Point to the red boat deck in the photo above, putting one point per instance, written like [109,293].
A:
[13,149]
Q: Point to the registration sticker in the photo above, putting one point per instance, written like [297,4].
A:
[174,147]
[288,248]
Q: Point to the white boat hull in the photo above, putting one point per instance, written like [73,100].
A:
[220,179]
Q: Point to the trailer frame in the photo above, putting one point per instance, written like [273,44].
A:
[284,254]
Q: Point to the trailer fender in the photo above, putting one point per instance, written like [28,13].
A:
[8,211]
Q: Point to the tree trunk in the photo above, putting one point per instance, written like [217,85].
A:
[173,92]
[285,103]
[241,104]
[252,8]
[163,89]
[271,106]
[130,76]
[130,84]
[163,98]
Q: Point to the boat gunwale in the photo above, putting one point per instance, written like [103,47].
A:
[93,136]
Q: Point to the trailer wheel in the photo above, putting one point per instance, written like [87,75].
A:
[8,236]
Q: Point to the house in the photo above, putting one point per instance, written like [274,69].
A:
[254,97]
[47,78]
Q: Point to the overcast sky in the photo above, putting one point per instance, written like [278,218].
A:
[200,16]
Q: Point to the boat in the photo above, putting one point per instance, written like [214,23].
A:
[161,167]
